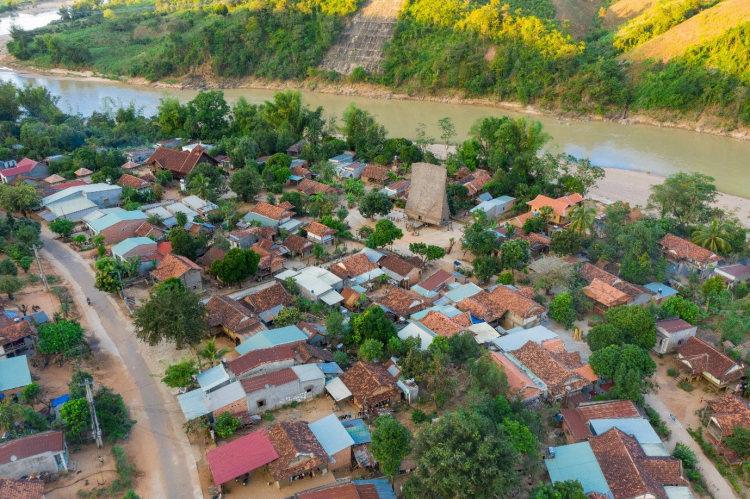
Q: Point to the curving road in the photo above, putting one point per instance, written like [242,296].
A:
[176,475]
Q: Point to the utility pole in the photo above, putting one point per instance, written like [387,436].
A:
[41,270]
[94,421]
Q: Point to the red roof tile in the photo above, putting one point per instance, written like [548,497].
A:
[610,409]
[397,265]
[683,249]
[320,230]
[16,331]
[268,298]
[297,244]
[730,411]
[375,172]
[299,451]
[515,302]
[311,187]
[674,325]
[440,324]
[23,166]
[173,266]
[353,266]
[179,162]
[603,293]
[401,302]
[560,206]
[256,358]
[519,383]
[49,441]
[277,378]
[558,377]
[578,429]
[134,182]
[241,456]
[365,378]
[21,489]
[271,211]
[699,356]
[436,280]
[226,312]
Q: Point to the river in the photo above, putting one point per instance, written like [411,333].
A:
[661,151]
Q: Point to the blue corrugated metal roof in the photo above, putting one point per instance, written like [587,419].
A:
[39,317]
[192,404]
[358,430]
[112,218]
[466,291]
[577,462]
[212,378]
[60,400]
[382,487]
[331,434]
[271,338]
[330,368]
[14,373]
[130,243]
[665,290]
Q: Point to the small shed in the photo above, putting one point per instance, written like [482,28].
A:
[337,389]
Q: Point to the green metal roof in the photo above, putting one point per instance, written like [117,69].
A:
[271,338]
[14,373]
[577,462]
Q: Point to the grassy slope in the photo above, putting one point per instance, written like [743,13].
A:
[700,29]
[624,10]
[580,14]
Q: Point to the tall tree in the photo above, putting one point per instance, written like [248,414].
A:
[236,266]
[372,324]
[375,203]
[363,134]
[478,236]
[246,183]
[171,314]
[582,220]
[207,115]
[390,444]
[686,197]
[713,237]
[384,235]
[20,198]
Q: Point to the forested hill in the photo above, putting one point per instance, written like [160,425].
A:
[576,56]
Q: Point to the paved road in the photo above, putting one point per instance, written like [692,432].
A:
[177,474]
[716,483]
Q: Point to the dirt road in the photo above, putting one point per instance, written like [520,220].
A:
[718,486]
[165,456]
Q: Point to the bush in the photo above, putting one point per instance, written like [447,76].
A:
[671,372]
[418,416]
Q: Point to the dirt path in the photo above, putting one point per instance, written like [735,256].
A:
[163,453]
[715,482]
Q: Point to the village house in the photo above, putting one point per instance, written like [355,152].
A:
[203,207]
[723,414]
[440,324]
[432,286]
[14,377]
[300,453]
[227,316]
[518,338]
[316,284]
[575,422]
[260,362]
[350,170]
[400,303]
[27,168]
[560,206]
[495,207]
[310,187]
[696,359]
[213,379]
[16,338]
[77,201]
[371,385]
[245,238]
[269,215]
[209,257]
[170,143]
[139,155]
[506,306]
[475,182]
[605,296]
[398,189]
[683,252]
[405,272]
[267,302]
[241,456]
[523,384]
[117,226]
[375,173]
[287,335]
[316,334]
[298,246]
[143,248]
[733,274]
[637,295]
[180,163]
[33,454]
[671,334]
[562,371]
[335,440]
[139,184]
[182,268]
[379,488]
[428,199]
[356,269]
[270,262]
[229,398]
[319,233]
[310,354]
[21,488]
[295,384]
[353,299]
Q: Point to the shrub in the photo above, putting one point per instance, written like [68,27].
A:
[418,416]
[671,372]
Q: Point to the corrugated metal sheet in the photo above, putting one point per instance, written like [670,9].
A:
[577,462]
[678,492]
[212,378]
[517,340]
[14,373]
[331,434]
[271,338]
[337,389]
[358,430]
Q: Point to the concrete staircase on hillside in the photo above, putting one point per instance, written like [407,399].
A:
[361,43]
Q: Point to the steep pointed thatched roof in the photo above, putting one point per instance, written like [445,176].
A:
[427,200]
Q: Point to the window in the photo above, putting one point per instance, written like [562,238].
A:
[308,389]
[261,403]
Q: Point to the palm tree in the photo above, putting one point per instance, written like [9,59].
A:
[714,238]
[210,353]
[200,186]
[582,219]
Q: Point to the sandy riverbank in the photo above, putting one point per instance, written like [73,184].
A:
[40,7]
[635,187]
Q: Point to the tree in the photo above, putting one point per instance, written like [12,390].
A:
[537,223]
[686,197]
[130,494]
[183,243]
[582,220]
[637,324]
[60,336]
[464,455]
[108,275]
[629,384]
[363,134]
[226,424]
[478,238]
[739,441]
[463,347]
[171,314]
[569,489]
[10,413]
[210,353]
[637,270]
[207,115]
[180,374]
[714,238]
[427,253]
[62,226]
[515,254]
[112,414]
[201,187]
[319,252]
[561,310]
[506,278]
[341,358]
[682,308]
[606,361]
[390,443]
[7,267]
[75,413]
[602,336]
[371,350]
[565,242]
[375,203]
[31,393]
[10,285]
[372,324]
[19,198]
[448,131]
[335,327]
[287,316]
[236,266]
[384,235]
[486,266]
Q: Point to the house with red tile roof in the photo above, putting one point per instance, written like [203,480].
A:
[684,252]
[476,181]
[560,206]
[401,303]
[671,334]
[605,296]
[26,167]
[225,315]
[575,422]
[319,233]
[245,238]
[139,184]
[433,285]
[371,385]
[637,295]
[354,266]
[733,274]
[275,389]
[298,246]
[520,311]
[300,453]
[724,414]
[210,256]
[21,489]
[442,325]
[241,456]
[310,187]
[268,298]
[29,455]
[180,163]
[16,337]
[182,268]
[404,271]
[520,381]
[556,370]
[269,215]
[375,173]
[697,359]
[379,488]
[263,361]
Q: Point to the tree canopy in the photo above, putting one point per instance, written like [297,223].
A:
[171,314]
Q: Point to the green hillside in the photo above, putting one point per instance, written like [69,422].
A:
[527,51]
